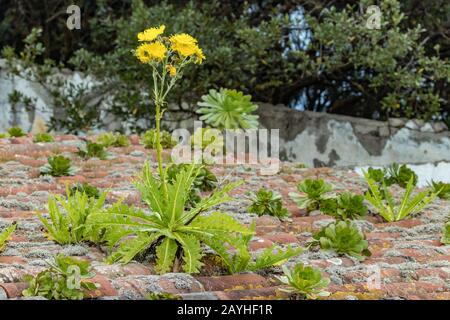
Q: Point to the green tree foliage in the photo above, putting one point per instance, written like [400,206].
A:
[313,54]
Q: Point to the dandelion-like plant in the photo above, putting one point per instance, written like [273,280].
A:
[167,56]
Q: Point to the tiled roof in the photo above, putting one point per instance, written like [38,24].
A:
[412,262]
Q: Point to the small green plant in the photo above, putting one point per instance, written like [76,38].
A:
[109,139]
[89,190]
[172,171]
[92,150]
[304,281]
[441,188]
[65,279]
[58,166]
[394,174]
[446,233]
[346,206]
[43,138]
[149,139]
[205,180]
[5,235]
[342,237]
[241,259]
[72,226]
[377,175]
[383,201]
[171,229]
[315,191]
[400,175]
[228,109]
[267,202]
[163,296]
[4,135]
[16,132]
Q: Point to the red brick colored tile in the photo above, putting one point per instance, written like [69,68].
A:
[238,281]
[14,290]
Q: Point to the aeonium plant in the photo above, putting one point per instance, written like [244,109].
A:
[167,56]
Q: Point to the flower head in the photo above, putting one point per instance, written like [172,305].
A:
[184,44]
[151,51]
[199,55]
[151,33]
[171,70]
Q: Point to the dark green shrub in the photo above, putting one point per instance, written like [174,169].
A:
[254,49]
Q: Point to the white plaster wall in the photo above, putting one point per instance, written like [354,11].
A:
[7,85]
[401,147]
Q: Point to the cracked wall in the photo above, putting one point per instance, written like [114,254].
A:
[320,139]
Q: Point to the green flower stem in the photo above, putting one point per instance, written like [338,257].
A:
[160,92]
[158,117]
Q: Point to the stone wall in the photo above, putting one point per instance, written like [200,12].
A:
[21,117]
[322,139]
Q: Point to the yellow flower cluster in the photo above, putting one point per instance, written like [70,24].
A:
[147,52]
[154,47]
[171,70]
[151,34]
[186,46]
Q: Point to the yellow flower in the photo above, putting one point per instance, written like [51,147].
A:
[151,33]
[199,55]
[184,44]
[151,51]
[171,70]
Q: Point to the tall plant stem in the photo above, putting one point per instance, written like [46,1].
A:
[158,116]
